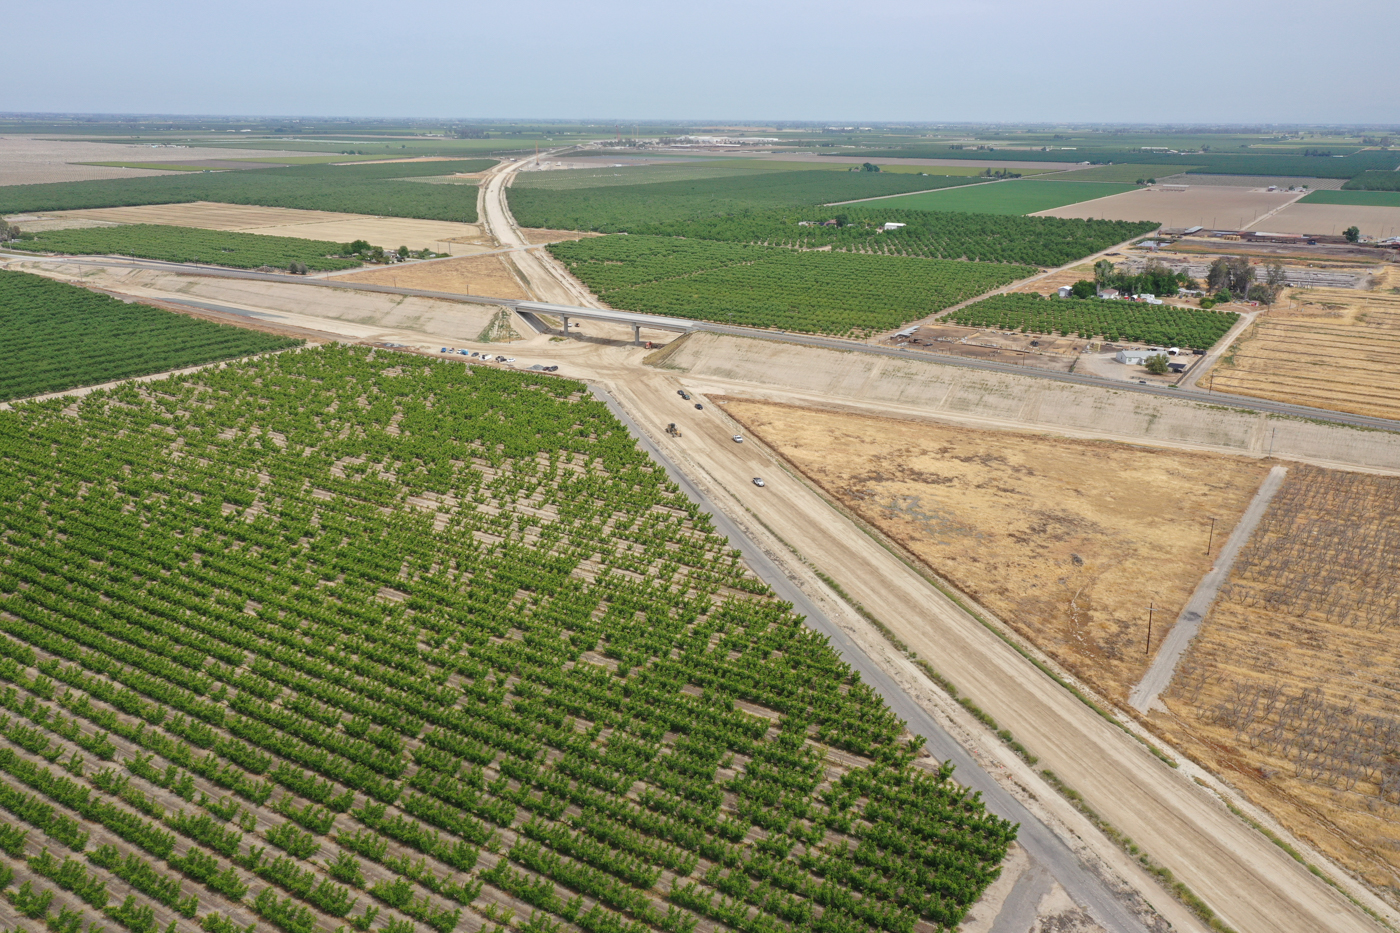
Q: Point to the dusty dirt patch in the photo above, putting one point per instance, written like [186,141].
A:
[1335,348]
[1291,689]
[486,276]
[1214,207]
[1067,541]
[537,235]
[389,232]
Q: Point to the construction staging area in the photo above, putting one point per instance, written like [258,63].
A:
[1006,551]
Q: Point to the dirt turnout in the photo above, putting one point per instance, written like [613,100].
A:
[1336,348]
[1067,541]
[1291,688]
[487,276]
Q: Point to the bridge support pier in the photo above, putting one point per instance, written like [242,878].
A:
[566,324]
[636,335]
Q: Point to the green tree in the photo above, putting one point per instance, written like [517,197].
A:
[1157,365]
[403,252]
[1083,289]
[1353,234]
[1104,271]
[869,167]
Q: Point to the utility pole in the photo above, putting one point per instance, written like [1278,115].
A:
[1152,607]
[1211,539]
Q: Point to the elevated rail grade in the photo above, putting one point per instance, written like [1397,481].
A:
[1243,402]
[633,319]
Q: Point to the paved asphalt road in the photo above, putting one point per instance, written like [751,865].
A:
[833,343]
[1043,846]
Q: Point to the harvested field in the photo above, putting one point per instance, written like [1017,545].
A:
[1019,196]
[1251,181]
[1330,348]
[487,276]
[26,160]
[389,232]
[1050,284]
[1215,207]
[1291,688]
[1332,219]
[1067,541]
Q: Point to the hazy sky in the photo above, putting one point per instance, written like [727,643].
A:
[1210,61]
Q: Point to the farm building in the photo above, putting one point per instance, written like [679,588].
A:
[1135,357]
[1108,293]
[891,226]
[1066,291]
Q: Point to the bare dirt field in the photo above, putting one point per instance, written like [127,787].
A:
[1029,350]
[1067,541]
[1336,348]
[389,232]
[26,160]
[1252,181]
[1332,219]
[537,235]
[1291,688]
[1050,284]
[487,276]
[1215,207]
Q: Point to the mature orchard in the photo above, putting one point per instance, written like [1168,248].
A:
[345,635]
[1090,317]
[764,286]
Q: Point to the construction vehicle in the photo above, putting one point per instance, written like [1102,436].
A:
[671,430]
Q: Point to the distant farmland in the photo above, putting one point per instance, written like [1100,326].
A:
[1020,196]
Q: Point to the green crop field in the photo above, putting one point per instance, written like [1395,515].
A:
[1374,181]
[346,637]
[1089,317]
[1118,174]
[1041,241]
[373,189]
[1019,196]
[763,286]
[623,208]
[190,244]
[55,336]
[1363,198]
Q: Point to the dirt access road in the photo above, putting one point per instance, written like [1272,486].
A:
[546,279]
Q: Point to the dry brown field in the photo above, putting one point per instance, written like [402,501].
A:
[1332,219]
[1067,541]
[1334,348]
[486,276]
[389,232]
[1292,688]
[27,160]
[1215,207]
[1049,284]
[1028,350]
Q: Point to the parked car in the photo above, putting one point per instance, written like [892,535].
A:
[699,407]
[683,394]
[758,481]
[738,438]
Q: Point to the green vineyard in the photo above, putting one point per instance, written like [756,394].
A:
[346,639]
[191,244]
[55,336]
[765,286]
[1090,317]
